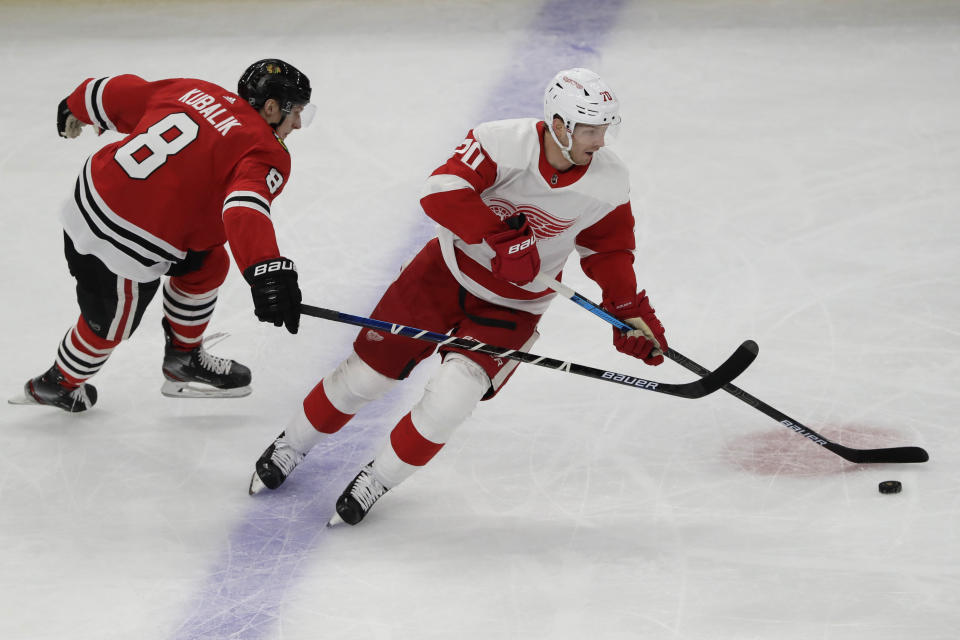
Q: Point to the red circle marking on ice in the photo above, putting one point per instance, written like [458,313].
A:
[780,451]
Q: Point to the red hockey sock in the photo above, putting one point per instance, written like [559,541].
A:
[188,314]
[82,353]
[410,446]
[321,413]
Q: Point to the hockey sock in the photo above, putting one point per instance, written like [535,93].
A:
[82,353]
[449,398]
[188,314]
[405,452]
[340,395]
[301,435]
[410,445]
[353,384]
[320,413]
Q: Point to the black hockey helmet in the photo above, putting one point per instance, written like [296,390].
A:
[272,78]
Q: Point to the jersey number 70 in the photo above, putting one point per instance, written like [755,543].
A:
[468,148]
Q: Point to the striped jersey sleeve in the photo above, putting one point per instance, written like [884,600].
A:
[247,216]
[114,102]
[249,199]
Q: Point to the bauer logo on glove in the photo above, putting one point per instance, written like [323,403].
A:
[520,246]
[515,258]
[276,294]
[273,265]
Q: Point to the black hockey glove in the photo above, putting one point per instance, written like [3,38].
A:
[68,126]
[276,294]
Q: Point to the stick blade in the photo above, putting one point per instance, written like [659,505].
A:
[732,367]
[710,381]
[892,455]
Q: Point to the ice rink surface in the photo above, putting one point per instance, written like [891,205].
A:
[796,180]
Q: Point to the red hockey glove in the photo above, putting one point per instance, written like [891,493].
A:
[647,342]
[517,259]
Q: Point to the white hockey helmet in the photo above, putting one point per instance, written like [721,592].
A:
[579,96]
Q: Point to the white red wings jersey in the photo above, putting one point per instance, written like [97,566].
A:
[501,170]
[199,167]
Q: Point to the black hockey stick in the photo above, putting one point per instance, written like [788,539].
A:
[860,456]
[710,382]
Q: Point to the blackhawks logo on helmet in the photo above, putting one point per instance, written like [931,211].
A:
[274,79]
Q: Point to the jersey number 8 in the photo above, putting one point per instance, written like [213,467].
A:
[139,164]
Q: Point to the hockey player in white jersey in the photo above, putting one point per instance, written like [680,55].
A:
[516,198]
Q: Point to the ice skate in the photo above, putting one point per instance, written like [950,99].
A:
[356,500]
[50,389]
[276,463]
[197,374]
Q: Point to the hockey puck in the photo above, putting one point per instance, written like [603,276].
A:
[890,486]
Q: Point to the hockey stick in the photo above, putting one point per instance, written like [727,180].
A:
[860,456]
[710,382]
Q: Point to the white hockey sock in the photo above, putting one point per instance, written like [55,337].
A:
[300,434]
[353,384]
[336,398]
[389,469]
[448,399]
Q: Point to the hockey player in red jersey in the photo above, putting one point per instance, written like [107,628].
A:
[515,199]
[199,167]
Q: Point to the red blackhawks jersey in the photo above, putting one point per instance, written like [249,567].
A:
[501,170]
[198,167]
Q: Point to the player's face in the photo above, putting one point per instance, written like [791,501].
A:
[587,140]
[294,120]
[299,117]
